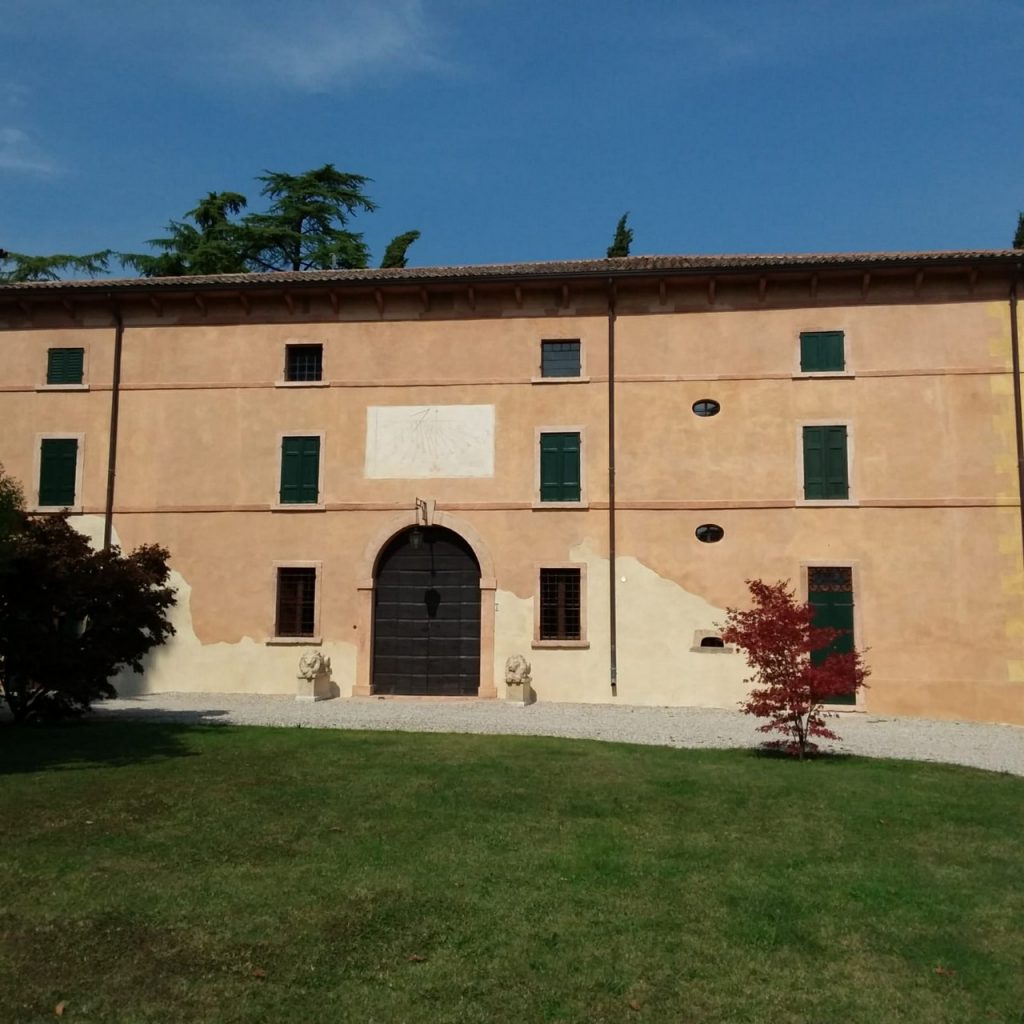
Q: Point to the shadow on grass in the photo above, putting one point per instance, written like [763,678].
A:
[93,742]
[826,756]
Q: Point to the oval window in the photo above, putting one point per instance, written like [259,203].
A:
[707,407]
[709,533]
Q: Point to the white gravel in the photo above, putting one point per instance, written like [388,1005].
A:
[998,748]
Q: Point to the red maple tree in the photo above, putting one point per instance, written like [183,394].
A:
[793,676]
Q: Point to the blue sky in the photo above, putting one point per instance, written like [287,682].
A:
[521,129]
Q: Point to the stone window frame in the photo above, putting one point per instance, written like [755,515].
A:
[37,468]
[583,502]
[804,593]
[83,386]
[583,642]
[320,504]
[852,500]
[273,639]
[283,382]
[817,327]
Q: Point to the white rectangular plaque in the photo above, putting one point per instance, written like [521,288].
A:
[405,442]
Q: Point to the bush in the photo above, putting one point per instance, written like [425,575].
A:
[72,617]
[793,673]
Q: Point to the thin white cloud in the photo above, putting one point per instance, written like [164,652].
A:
[335,46]
[20,152]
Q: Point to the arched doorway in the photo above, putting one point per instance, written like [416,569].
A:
[426,615]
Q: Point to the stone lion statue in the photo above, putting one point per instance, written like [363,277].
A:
[517,671]
[312,663]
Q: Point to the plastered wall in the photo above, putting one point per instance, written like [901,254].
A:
[932,530]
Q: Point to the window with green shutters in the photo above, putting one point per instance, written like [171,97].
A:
[826,474]
[560,467]
[300,470]
[65,365]
[830,594]
[822,352]
[58,468]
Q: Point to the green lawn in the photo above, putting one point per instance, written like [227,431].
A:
[162,873]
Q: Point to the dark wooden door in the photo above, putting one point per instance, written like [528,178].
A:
[426,626]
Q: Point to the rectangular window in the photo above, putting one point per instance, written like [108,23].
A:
[58,467]
[296,602]
[304,362]
[65,365]
[822,352]
[830,594]
[560,604]
[826,475]
[560,358]
[300,470]
[560,467]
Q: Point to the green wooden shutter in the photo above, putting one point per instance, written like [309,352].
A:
[833,609]
[560,467]
[300,470]
[64,365]
[58,465]
[826,473]
[822,352]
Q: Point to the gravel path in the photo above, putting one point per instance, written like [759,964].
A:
[994,747]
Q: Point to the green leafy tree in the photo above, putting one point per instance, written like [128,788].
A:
[622,240]
[306,225]
[1018,239]
[72,617]
[213,243]
[395,254]
[18,266]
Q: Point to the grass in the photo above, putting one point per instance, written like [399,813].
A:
[165,873]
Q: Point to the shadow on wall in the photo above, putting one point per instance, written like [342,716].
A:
[100,742]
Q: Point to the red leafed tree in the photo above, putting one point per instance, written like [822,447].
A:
[794,676]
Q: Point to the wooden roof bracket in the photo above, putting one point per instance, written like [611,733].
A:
[158,306]
[425,299]
[25,308]
[332,298]
[712,287]
[200,302]
[918,281]
[68,308]
[662,297]
[972,280]
[519,296]
[865,284]
[565,295]
[471,296]
[762,288]
[814,287]
[289,301]
[243,301]
[378,297]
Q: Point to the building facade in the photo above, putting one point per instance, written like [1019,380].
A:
[423,472]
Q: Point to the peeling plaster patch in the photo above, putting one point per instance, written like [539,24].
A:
[185,664]
[653,668]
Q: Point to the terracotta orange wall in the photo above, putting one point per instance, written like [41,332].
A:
[940,590]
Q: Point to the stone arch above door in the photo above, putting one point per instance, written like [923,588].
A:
[376,544]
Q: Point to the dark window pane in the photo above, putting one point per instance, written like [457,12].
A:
[706,407]
[560,358]
[304,362]
[560,604]
[709,533]
[296,602]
